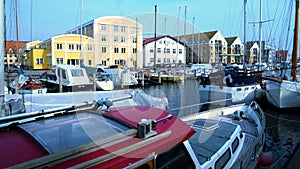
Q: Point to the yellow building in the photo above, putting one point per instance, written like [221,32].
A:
[118,40]
[61,49]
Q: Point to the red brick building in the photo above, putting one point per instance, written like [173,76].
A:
[10,57]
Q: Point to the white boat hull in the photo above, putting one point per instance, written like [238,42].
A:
[105,85]
[283,95]
[229,95]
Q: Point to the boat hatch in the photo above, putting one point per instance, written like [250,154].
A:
[206,124]
[206,143]
[64,132]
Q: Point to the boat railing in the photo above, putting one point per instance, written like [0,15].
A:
[25,117]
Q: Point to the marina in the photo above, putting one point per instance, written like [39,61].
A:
[115,91]
[282,126]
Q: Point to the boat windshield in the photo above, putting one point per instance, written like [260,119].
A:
[64,132]
[77,72]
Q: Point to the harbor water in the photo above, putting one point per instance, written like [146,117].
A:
[282,126]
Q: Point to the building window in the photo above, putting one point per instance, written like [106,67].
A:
[180,51]
[71,46]
[168,50]
[103,27]
[103,38]
[120,62]
[158,50]
[134,50]
[160,42]
[123,50]
[174,51]
[104,62]
[59,46]
[116,50]
[90,62]
[116,38]
[90,47]
[158,60]
[78,47]
[39,61]
[59,61]
[134,40]
[103,49]
[123,39]
[151,50]
[116,28]
[123,29]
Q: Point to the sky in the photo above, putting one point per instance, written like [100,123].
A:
[43,19]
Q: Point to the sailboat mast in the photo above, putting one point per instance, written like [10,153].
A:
[155,36]
[2,55]
[260,35]
[17,34]
[81,60]
[245,26]
[295,44]
[193,41]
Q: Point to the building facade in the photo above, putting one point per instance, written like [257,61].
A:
[168,51]
[206,47]
[62,49]
[235,50]
[252,53]
[118,40]
[11,56]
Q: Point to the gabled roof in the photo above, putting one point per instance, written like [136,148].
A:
[210,34]
[230,40]
[152,39]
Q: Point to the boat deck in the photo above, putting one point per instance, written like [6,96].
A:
[210,136]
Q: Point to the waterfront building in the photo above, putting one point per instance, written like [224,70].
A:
[62,49]
[282,56]
[168,51]
[11,56]
[209,47]
[118,40]
[252,53]
[235,49]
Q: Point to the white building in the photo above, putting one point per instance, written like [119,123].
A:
[168,51]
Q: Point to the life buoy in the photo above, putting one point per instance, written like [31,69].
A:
[227,79]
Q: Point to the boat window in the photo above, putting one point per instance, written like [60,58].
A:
[63,73]
[177,157]
[235,145]
[223,160]
[64,132]
[76,72]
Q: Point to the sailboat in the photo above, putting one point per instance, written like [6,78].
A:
[285,92]
[9,103]
[230,84]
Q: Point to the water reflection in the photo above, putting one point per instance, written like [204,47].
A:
[282,128]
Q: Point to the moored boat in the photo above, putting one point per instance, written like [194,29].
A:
[284,92]
[93,135]
[83,137]
[27,85]
[231,137]
[69,77]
